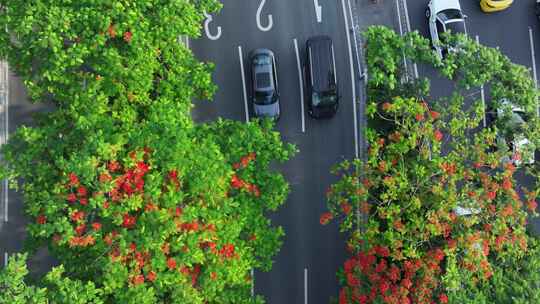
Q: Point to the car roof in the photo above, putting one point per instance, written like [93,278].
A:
[261,61]
[440,5]
[321,62]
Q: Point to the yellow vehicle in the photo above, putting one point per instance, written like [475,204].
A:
[489,6]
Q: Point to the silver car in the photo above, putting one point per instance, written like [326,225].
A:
[264,84]
[444,16]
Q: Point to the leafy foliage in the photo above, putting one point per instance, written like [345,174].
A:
[441,204]
[126,191]
[58,289]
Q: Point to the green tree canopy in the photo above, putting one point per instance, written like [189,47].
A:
[435,211]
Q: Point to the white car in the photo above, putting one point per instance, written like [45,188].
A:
[444,16]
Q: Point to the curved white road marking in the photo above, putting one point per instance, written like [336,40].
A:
[258,17]
[241,57]
[298,66]
[209,19]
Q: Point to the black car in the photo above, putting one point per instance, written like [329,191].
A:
[264,84]
[321,80]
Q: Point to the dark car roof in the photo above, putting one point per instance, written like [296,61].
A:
[261,62]
[321,57]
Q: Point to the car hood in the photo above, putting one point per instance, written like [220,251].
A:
[271,110]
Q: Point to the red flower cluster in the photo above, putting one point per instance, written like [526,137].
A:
[325,218]
[127,36]
[73,180]
[244,161]
[113,166]
[129,221]
[193,226]
[173,178]
[238,183]
[371,278]
[81,191]
[227,251]
[171,263]
[151,276]
[111,31]
[41,219]
[77,215]
[346,208]
[194,273]
[532,204]
[138,279]
[81,241]
[438,135]
[448,168]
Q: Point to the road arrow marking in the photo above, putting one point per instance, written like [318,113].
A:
[318,10]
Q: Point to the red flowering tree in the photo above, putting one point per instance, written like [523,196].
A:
[164,215]
[434,197]
[126,191]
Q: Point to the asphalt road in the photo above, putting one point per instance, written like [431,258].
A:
[508,30]
[308,248]
[12,231]
[307,245]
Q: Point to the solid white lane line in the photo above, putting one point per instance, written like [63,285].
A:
[354,39]
[299,67]
[415,67]
[305,286]
[5,194]
[252,283]
[484,122]
[241,56]
[399,18]
[534,67]
[352,78]
[6,134]
[401,34]
[318,10]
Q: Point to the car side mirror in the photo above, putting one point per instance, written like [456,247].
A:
[465,16]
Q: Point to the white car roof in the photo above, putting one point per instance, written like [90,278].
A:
[440,5]
[460,211]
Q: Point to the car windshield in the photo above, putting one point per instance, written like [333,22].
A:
[261,60]
[265,97]
[324,99]
[455,27]
[450,14]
